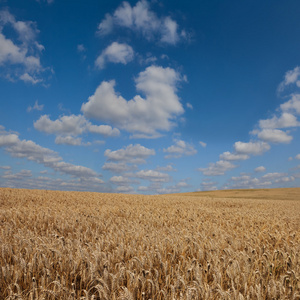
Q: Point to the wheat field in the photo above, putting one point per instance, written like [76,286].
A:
[204,245]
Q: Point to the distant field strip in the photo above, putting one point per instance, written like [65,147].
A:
[210,245]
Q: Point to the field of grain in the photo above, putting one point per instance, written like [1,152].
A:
[206,245]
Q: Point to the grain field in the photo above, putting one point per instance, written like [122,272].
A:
[206,245]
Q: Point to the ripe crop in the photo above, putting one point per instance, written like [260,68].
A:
[206,245]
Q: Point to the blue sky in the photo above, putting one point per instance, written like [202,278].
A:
[149,96]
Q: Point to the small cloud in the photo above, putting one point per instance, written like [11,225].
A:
[233,156]
[180,148]
[67,140]
[168,168]
[153,176]
[260,169]
[132,154]
[251,148]
[115,53]
[274,136]
[143,21]
[297,156]
[81,48]
[203,144]
[189,105]
[218,168]
[28,78]
[284,121]
[5,167]
[36,106]
[291,77]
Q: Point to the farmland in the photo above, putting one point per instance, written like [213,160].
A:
[204,245]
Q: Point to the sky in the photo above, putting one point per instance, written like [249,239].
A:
[149,97]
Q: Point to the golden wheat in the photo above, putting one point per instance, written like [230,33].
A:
[217,245]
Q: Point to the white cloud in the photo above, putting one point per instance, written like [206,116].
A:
[115,53]
[125,189]
[291,77]
[208,186]
[272,176]
[72,125]
[67,140]
[169,31]
[20,55]
[81,48]
[121,180]
[274,136]
[189,105]
[146,115]
[232,156]
[44,156]
[28,78]
[284,121]
[18,176]
[218,168]
[246,182]
[8,139]
[141,20]
[36,106]
[292,105]
[48,1]
[260,169]
[203,144]
[118,167]
[297,156]
[168,168]
[152,175]
[251,148]
[180,148]
[5,167]
[135,154]
[106,26]
[103,129]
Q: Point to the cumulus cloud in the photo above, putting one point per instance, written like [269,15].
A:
[135,154]
[203,144]
[152,175]
[233,156]
[246,182]
[36,106]
[274,136]
[67,140]
[284,121]
[260,169]
[291,77]
[179,148]
[293,105]
[81,48]
[20,52]
[147,115]
[218,168]
[251,148]
[115,53]
[142,20]
[118,167]
[44,156]
[297,156]
[125,189]
[17,176]
[122,180]
[207,185]
[71,126]
[168,168]
[5,167]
